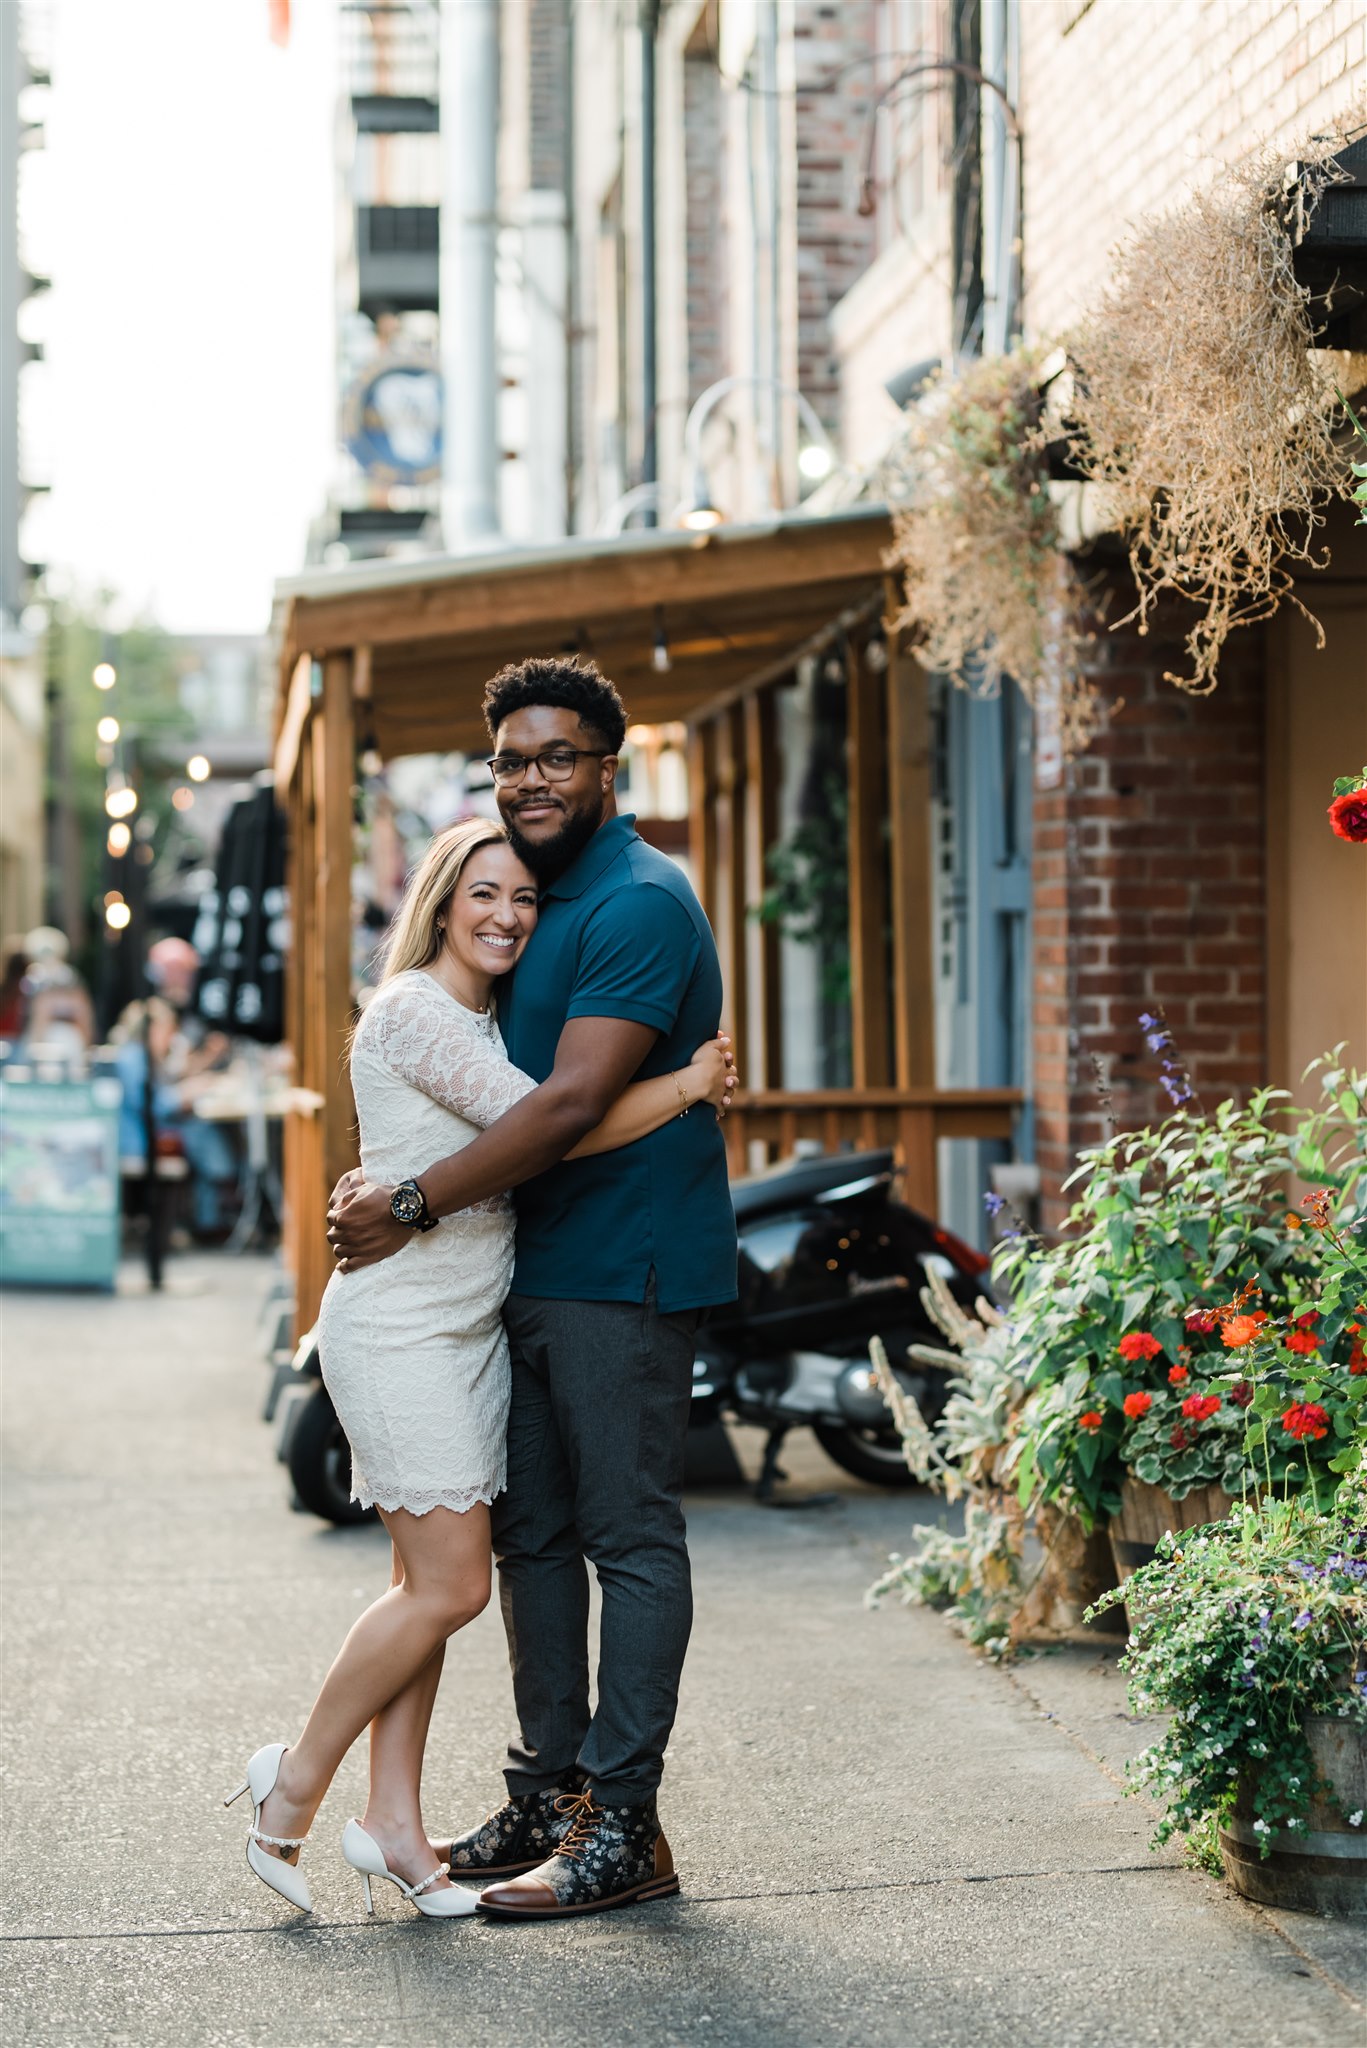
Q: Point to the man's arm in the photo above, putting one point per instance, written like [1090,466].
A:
[595,1059]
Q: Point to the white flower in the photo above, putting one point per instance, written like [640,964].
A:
[1355,1819]
[1260,1827]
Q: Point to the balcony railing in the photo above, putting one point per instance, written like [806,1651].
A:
[391,53]
[911,1120]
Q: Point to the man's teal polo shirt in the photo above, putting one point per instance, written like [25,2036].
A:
[621,934]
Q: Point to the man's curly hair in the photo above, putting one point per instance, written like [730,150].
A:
[565,681]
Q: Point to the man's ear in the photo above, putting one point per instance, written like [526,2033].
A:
[609,768]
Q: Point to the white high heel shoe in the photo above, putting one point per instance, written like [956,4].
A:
[262,1772]
[366,1857]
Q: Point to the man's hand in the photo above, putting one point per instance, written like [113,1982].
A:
[361,1226]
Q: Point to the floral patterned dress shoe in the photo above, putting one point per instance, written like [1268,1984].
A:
[518,1836]
[610,1856]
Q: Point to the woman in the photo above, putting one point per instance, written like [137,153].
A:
[415,1358]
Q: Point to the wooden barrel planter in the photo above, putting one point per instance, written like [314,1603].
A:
[1076,1570]
[1147,1512]
[1321,1868]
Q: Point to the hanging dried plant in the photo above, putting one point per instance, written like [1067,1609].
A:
[1202,409]
[988,589]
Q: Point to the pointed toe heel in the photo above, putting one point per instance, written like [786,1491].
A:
[366,1858]
[283,1878]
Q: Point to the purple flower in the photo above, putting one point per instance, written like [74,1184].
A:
[1157,1041]
[994,1203]
[1304,1570]
[1178,1090]
[1302,1619]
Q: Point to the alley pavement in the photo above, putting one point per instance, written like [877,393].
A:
[882,1840]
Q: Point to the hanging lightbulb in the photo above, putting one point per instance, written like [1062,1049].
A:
[119,840]
[197,768]
[659,659]
[118,916]
[108,730]
[121,803]
[182,798]
[104,675]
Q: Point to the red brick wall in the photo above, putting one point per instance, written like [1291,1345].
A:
[835,244]
[1149,889]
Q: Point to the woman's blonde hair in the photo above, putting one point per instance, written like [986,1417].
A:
[414,939]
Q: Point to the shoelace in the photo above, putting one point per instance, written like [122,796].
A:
[583,1824]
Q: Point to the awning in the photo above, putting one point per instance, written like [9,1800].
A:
[731,605]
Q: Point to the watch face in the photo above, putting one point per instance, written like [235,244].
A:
[407,1203]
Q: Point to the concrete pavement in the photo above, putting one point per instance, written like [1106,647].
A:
[882,1840]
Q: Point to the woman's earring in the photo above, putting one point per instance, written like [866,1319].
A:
[440,925]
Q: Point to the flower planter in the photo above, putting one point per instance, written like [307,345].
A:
[1321,1868]
[1148,1512]
[1076,1571]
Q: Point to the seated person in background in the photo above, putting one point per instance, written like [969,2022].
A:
[178,1075]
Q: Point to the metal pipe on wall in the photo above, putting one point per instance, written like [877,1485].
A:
[650,23]
[469,248]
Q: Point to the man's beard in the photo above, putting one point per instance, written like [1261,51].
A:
[549,858]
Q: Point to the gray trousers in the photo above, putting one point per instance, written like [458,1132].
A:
[595,1472]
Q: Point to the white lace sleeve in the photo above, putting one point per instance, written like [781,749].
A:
[422,1035]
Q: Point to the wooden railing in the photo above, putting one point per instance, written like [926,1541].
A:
[909,1119]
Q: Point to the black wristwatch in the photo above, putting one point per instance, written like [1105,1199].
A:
[408,1204]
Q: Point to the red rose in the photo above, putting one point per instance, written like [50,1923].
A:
[1306,1419]
[1201,1322]
[1139,1344]
[1091,1421]
[1177,1374]
[1348,816]
[1241,1394]
[1179,1438]
[1200,1406]
[1138,1404]
[1303,1341]
[1303,1322]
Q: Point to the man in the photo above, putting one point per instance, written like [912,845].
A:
[616,1256]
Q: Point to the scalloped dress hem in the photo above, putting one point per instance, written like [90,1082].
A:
[458,1503]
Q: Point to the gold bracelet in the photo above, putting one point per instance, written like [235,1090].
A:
[683,1095]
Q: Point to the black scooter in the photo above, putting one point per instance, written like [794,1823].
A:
[829,1257]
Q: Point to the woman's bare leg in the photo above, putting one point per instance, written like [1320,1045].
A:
[398,1740]
[445,1583]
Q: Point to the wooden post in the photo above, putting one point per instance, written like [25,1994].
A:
[761,1062]
[729,812]
[702,818]
[868,895]
[909,781]
[330,989]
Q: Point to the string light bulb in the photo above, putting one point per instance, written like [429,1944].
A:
[119,840]
[197,768]
[118,916]
[121,803]
[104,675]
[108,730]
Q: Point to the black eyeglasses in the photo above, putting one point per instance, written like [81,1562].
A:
[556,764]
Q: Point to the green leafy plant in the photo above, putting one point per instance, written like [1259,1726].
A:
[1116,1332]
[808,897]
[1239,1632]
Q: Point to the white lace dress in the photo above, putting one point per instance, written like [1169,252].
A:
[412,1349]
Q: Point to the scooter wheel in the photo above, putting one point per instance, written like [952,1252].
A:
[875,1455]
[319,1463]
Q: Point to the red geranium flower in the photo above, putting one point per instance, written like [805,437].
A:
[1201,1322]
[1241,1393]
[1357,1357]
[1303,1322]
[1240,1330]
[1306,1419]
[1200,1406]
[1303,1341]
[1348,816]
[1090,1421]
[1179,1438]
[1138,1404]
[1177,1374]
[1139,1344]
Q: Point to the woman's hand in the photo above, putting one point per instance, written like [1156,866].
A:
[711,1076]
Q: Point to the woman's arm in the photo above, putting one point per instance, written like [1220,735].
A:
[646,1105]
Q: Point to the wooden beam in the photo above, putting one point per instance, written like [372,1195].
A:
[867,787]
[519,596]
[762,1061]
[845,621]
[294,718]
[910,858]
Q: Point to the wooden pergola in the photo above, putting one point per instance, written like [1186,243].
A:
[393,657]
